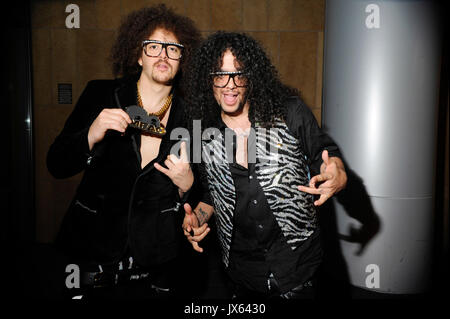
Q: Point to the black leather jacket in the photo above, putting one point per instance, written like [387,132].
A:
[119,208]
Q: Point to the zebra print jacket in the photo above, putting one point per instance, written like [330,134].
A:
[285,157]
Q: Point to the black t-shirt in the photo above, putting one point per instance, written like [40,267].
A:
[258,246]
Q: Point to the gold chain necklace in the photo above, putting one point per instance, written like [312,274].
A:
[162,110]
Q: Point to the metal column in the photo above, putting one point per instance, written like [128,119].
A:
[381,82]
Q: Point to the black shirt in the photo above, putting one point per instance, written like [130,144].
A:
[258,247]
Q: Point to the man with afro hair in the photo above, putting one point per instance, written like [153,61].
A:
[123,228]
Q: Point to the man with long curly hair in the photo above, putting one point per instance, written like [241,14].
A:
[124,224]
[265,145]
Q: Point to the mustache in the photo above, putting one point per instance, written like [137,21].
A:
[161,61]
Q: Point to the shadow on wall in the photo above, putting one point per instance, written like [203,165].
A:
[334,280]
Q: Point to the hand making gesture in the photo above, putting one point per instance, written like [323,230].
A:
[331,180]
[178,169]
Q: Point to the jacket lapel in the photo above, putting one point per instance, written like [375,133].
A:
[125,95]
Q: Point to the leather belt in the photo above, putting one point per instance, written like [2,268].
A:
[274,287]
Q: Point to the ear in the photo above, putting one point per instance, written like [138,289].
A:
[140,61]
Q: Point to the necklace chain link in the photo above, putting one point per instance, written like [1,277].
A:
[162,110]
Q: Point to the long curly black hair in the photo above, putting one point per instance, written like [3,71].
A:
[138,26]
[267,94]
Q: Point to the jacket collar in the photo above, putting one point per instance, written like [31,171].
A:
[125,93]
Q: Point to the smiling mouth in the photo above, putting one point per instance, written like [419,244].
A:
[230,98]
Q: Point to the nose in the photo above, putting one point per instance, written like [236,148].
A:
[163,54]
[230,84]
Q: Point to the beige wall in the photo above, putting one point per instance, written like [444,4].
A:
[290,30]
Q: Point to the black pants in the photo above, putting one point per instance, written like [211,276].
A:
[129,283]
[139,290]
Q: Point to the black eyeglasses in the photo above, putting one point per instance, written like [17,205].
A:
[221,78]
[153,48]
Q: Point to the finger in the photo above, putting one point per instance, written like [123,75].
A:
[187,232]
[200,237]
[188,222]
[199,230]
[322,199]
[197,247]
[170,165]
[309,190]
[126,116]
[328,185]
[199,234]
[319,179]
[123,115]
[173,158]
[194,244]
[183,153]
[162,169]
[115,126]
[118,116]
[325,157]
[119,112]
[187,208]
